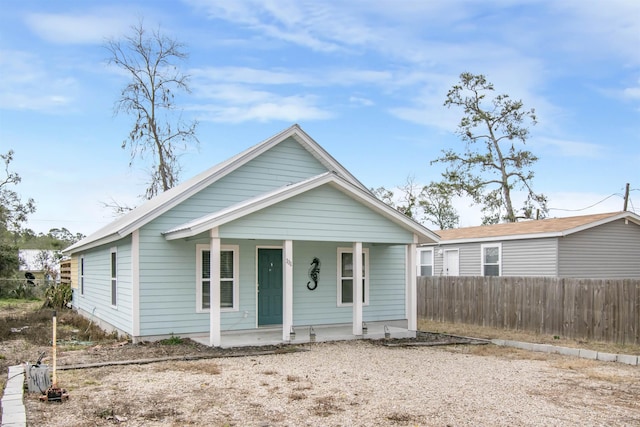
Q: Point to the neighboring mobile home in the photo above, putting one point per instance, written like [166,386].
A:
[589,246]
[273,237]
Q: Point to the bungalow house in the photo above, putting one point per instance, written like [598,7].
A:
[275,237]
[589,246]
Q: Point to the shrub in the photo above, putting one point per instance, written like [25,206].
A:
[58,296]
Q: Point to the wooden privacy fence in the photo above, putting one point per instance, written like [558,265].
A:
[598,310]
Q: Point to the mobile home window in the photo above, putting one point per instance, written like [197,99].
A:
[491,260]
[425,266]
[114,277]
[228,278]
[345,276]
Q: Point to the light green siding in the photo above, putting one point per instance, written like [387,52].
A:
[320,306]
[97,286]
[323,214]
[167,269]
[319,222]
[286,163]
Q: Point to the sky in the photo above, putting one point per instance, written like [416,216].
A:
[366,79]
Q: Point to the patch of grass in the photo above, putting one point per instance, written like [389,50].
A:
[12,304]
[36,327]
[293,378]
[474,331]
[172,340]
[269,372]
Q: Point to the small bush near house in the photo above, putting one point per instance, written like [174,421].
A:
[172,340]
[58,296]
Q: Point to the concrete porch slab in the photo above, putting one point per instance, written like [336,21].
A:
[323,333]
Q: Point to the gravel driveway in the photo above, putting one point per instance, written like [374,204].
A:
[353,384]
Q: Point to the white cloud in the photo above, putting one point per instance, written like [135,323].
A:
[632,93]
[360,101]
[601,29]
[570,148]
[27,84]
[273,107]
[88,28]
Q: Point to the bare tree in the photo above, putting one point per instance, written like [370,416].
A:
[491,165]
[150,61]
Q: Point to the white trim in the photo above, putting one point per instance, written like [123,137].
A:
[239,210]
[214,288]
[171,198]
[412,288]
[113,265]
[357,290]
[135,283]
[340,251]
[445,267]
[419,260]
[287,292]
[236,277]
[482,260]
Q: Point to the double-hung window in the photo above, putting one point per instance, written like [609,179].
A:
[228,278]
[425,262]
[114,277]
[491,259]
[345,276]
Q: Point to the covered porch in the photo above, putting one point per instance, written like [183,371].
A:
[308,334]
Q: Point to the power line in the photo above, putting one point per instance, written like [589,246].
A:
[588,207]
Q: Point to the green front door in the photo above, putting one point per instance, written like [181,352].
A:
[269,287]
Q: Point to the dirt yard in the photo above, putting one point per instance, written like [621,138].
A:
[323,384]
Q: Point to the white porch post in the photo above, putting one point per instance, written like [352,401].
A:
[357,288]
[412,291]
[287,295]
[214,289]
[135,285]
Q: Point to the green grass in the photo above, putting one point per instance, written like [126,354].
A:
[173,340]
[15,303]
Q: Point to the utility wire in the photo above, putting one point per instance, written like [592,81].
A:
[588,207]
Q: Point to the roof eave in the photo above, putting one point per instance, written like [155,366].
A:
[75,248]
[352,189]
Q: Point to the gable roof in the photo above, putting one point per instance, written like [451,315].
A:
[553,227]
[160,204]
[239,210]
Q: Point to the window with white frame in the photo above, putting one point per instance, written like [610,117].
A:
[82,275]
[114,277]
[228,278]
[345,276]
[425,262]
[491,259]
